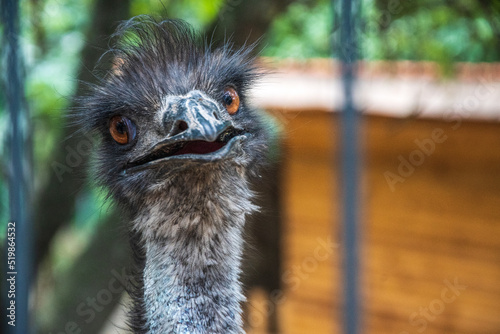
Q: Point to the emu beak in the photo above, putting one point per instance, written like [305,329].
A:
[194,131]
[194,121]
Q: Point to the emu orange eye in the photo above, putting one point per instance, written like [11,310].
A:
[122,129]
[231,100]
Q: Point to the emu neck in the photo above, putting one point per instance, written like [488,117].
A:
[193,245]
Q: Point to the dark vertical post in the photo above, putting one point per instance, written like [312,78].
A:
[19,174]
[349,167]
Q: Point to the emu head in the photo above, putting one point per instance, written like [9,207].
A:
[172,109]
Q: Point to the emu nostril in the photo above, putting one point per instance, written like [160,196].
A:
[216,116]
[180,127]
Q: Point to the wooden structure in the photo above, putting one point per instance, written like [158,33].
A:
[431,225]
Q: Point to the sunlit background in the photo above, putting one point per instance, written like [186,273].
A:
[429,89]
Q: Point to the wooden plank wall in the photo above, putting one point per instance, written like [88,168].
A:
[431,244]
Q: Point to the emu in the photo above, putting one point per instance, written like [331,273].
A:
[179,146]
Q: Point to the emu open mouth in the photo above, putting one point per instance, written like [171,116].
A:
[194,149]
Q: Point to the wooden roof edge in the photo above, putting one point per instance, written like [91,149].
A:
[395,97]
[460,71]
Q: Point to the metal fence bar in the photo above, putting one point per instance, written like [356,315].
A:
[350,174]
[19,174]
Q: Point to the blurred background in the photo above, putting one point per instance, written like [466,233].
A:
[428,85]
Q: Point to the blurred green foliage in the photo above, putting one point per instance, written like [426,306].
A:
[439,30]
[51,41]
[198,13]
[303,31]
